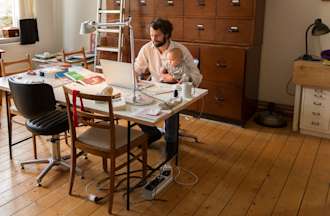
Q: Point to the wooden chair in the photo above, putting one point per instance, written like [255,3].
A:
[81,53]
[102,137]
[10,68]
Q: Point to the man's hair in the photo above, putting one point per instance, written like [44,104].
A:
[163,25]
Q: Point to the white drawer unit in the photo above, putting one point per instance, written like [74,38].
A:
[315,112]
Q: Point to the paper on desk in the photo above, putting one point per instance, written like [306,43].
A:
[149,113]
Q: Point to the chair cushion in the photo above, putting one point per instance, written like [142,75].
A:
[99,138]
[51,123]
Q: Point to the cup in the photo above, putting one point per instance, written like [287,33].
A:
[186,89]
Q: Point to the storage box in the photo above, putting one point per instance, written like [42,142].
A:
[10,32]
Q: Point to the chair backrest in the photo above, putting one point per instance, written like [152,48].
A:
[82,57]
[88,117]
[17,66]
[32,100]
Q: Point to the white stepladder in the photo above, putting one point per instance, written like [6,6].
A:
[105,29]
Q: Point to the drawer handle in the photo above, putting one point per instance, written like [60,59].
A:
[117,2]
[316,113]
[317,103]
[318,96]
[170,2]
[219,98]
[233,29]
[315,123]
[235,2]
[221,65]
[200,27]
[143,2]
[201,2]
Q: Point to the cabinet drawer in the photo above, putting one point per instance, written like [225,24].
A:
[312,122]
[321,95]
[142,7]
[199,30]
[222,64]
[233,31]
[235,8]
[201,8]
[223,100]
[194,50]
[166,8]
[315,114]
[141,27]
[177,33]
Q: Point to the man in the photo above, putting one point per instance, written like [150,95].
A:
[152,56]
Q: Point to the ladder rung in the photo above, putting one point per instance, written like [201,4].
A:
[109,11]
[108,49]
[108,30]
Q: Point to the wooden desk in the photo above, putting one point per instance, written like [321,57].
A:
[129,113]
[312,96]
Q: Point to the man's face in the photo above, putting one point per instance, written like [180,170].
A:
[157,37]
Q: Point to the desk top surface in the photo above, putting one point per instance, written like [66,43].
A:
[122,109]
[311,73]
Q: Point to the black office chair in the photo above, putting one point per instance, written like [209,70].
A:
[36,102]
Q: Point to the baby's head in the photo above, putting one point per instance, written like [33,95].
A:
[174,57]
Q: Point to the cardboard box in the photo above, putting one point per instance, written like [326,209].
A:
[10,32]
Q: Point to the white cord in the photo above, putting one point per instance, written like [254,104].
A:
[195,181]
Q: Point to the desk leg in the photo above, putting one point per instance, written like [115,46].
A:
[296,112]
[177,140]
[1,104]
[9,125]
[128,162]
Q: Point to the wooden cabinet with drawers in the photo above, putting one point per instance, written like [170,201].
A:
[315,115]
[225,36]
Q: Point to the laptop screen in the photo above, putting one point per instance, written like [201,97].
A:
[118,73]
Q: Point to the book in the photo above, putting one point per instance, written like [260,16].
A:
[84,80]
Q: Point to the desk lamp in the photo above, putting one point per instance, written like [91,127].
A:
[87,27]
[318,29]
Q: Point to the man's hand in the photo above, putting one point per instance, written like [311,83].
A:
[167,78]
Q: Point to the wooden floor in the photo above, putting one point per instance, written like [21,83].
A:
[251,171]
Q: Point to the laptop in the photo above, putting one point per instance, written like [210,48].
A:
[120,74]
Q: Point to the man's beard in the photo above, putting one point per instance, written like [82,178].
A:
[160,43]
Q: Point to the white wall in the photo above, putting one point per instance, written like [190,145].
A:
[48,40]
[285,25]
[70,13]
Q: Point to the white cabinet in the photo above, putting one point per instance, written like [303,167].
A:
[315,112]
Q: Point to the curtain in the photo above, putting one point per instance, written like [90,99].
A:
[26,9]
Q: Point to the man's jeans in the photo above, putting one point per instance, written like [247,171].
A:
[171,134]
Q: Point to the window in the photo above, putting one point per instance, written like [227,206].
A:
[8,14]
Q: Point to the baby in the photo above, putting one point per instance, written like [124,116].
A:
[175,65]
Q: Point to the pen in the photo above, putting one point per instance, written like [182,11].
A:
[159,93]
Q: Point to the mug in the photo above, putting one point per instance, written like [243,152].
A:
[186,89]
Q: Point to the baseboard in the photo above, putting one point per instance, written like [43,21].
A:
[284,109]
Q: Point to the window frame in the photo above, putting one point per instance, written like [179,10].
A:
[15,23]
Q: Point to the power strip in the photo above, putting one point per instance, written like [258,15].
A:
[158,183]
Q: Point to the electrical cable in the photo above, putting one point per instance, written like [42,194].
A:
[179,171]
